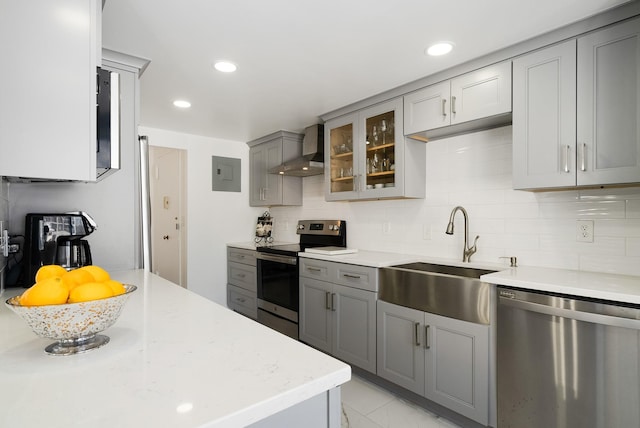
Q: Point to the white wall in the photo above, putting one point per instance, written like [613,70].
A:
[474,171]
[213,218]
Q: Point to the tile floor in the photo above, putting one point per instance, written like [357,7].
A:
[365,405]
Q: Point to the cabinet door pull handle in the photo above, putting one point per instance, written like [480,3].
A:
[241,300]
[583,166]
[417,333]
[566,158]
[313,269]
[333,302]
[327,302]
[346,275]
[426,337]
[453,105]
[444,102]
[241,275]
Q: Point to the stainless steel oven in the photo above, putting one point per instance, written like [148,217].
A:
[277,267]
[278,292]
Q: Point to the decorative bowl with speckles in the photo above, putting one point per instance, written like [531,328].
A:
[74,326]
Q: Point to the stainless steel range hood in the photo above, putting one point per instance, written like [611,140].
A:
[312,160]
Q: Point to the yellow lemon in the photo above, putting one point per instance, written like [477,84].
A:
[90,291]
[49,271]
[75,277]
[116,287]
[50,291]
[99,274]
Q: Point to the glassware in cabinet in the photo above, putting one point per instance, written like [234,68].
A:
[341,155]
[380,150]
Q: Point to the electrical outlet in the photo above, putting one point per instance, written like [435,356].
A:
[386,227]
[584,232]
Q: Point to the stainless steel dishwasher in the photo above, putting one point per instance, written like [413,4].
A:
[568,362]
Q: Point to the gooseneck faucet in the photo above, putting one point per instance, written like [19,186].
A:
[466,251]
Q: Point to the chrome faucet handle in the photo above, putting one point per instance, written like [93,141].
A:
[468,252]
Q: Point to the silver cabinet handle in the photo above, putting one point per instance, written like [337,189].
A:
[333,302]
[241,275]
[314,269]
[566,158]
[444,102]
[426,337]
[583,166]
[265,194]
[241,300]
[417,333]
[346,275]
[327,302]
[453,105]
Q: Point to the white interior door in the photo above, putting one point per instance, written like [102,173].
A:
[167,169]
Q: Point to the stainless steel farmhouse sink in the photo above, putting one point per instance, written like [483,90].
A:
[451,291]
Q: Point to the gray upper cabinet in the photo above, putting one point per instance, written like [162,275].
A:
[472,101]
[609,105]
[48,87]
[266,189]
[576,110]
[369,158]
[544,117]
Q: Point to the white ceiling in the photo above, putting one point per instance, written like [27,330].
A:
[299,59]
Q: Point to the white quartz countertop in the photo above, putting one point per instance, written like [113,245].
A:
[175,359]
[618,288]
[365,258]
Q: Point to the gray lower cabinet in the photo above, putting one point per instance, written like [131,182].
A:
[242,281]
[443,359]
[335,318]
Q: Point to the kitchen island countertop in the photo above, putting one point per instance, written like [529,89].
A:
[175,359]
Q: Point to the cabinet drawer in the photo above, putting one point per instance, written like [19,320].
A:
[318,269]
[242,301]
[362,277]
[239,255]
[243,276]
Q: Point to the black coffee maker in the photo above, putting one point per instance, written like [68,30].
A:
[56,239]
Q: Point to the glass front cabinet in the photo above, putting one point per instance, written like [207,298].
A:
[369,157]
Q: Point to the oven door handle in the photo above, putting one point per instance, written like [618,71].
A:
[277,258]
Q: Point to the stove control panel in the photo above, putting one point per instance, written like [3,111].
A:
[322,227]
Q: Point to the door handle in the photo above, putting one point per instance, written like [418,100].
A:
[165,237]
[444,102]
[566,158]
[453,105]
[333,302]
[327,301]
[346,275]
[426,337]
[583,166]
[417,333]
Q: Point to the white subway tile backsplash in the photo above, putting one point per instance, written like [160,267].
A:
[474,170]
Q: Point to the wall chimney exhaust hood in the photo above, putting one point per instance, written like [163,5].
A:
[312,160]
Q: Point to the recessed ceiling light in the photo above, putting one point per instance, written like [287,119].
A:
[182,104]
[440,48]
[225,66]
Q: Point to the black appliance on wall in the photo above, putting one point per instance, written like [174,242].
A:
[278,284]
[56,239]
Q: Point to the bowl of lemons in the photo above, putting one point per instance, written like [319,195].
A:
[72,307]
